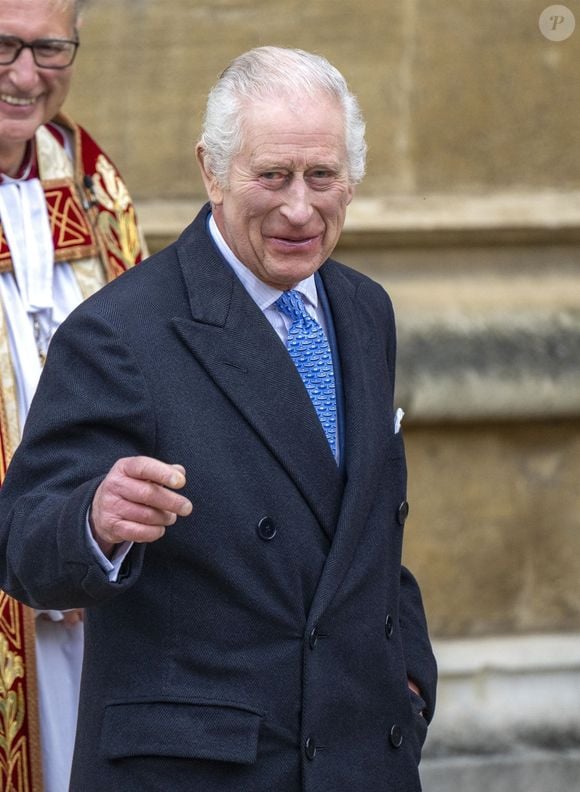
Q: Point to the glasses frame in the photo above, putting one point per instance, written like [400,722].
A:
[22,45]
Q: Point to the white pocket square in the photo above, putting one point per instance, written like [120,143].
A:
[398,419]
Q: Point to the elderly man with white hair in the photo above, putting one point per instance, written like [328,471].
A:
[67,226]
[231,487]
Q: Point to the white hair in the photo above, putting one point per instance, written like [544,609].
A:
[267,72]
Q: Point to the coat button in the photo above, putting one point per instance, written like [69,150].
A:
[313,637]
[396,736]
[403,512]
[389,626]
[266,529]
[310,748]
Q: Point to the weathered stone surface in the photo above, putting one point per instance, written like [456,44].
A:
[508,716]
[530,771]
[504,695]
[494,528]
[493,101]
[514,364]
[458,97]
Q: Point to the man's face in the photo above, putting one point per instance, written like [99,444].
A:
[284,208]
[29,95]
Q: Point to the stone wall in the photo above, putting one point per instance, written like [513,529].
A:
[460,96]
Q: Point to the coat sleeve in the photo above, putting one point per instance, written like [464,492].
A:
[91,408]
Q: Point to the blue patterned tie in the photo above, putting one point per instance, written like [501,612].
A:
[311,354]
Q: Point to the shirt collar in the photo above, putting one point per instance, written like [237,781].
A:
[263,295]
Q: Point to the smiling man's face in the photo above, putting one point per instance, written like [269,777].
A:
[29,95]
[284,207]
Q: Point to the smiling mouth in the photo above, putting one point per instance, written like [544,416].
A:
[17,101]
[295,241]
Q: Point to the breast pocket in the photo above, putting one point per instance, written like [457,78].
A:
[183,730]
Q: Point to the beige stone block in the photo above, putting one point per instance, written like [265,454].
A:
[494,528]
[493,101]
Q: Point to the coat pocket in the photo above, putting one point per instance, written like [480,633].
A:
[185,730]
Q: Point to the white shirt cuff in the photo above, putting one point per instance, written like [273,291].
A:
[113,565]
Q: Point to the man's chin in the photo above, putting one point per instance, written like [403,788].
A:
[286,274]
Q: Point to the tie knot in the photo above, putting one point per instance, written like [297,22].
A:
[291,304]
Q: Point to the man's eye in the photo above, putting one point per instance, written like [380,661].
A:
[8,45]
[321,177]
[273,178]
[49,49]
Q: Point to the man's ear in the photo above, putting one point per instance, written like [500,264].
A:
[214,192]
[350,193]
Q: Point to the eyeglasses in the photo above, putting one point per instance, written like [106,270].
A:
[47,53]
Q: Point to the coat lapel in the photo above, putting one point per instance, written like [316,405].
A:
[233,341]
[367,412]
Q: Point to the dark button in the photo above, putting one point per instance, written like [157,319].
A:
[402,512]
[313,637]
[389,626]
[396,736]
[310,748]
[266,529]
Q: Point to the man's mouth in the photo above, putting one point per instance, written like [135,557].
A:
[294,241]
[17,101]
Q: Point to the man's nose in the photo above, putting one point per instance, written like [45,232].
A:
[24,71]
[297,206]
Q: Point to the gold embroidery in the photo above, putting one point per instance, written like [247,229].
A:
[119,226]
[13,742]
[72,234]
[9,422]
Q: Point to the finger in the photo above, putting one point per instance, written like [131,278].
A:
[126,491]
[127,531]
[140,513]
[149,469]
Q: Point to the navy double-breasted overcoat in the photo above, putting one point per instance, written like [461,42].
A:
[265,642]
